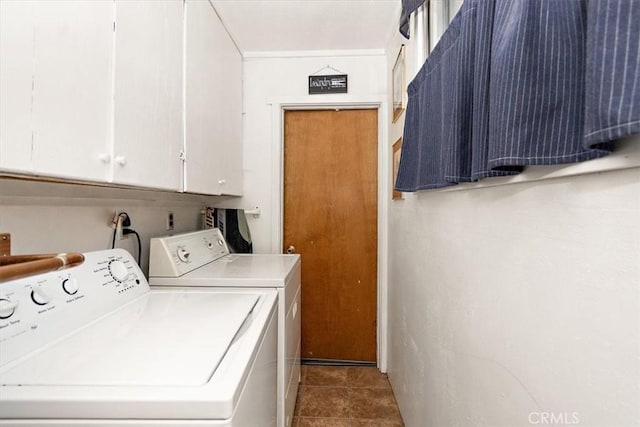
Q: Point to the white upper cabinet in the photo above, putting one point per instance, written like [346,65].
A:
[95,91]
[148,122]
[56,88]
[213,94]
[16,79]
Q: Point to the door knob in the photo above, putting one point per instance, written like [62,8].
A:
[291,250]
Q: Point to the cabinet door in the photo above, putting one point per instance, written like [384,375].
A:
[148,130]
[72,75]
[230,109]
[16,74]
[55,80]
[213,105]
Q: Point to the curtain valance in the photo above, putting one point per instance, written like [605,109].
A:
[516,83]
[408,7]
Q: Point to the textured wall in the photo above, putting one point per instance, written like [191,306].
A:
[519,299]
[518,304]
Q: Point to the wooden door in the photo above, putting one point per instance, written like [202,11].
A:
[330,217]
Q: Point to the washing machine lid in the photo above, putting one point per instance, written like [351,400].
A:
[239,270]
[163,338]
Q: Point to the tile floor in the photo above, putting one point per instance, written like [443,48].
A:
[345,396]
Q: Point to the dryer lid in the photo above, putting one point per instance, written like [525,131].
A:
[164,338]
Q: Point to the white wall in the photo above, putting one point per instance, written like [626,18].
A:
[47,217]
[510,301]
[270,82]
[273,81]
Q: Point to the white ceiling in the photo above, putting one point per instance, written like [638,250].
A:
[294,25]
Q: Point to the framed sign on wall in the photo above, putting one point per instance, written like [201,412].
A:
[398,85]
[334,83]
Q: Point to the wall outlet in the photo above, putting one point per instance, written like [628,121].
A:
[119,235]
[116,224]
[170,221]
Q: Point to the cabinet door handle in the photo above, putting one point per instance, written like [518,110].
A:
[222,181]
[104,158]
[121,160]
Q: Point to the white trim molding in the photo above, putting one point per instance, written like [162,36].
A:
[312,53]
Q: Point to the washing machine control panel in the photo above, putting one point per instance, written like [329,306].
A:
[173,256]
[38,309]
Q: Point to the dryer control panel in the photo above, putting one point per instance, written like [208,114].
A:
[39,309]
[173,256]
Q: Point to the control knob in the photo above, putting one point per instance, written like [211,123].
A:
[70,285]
[39,297]
[7,308]
[118,271]
[183,254]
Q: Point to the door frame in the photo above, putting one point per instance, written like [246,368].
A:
[324,102]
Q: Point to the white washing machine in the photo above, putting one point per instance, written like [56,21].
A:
[202,259]
[95,346]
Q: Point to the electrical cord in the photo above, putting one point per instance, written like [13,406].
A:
[126,222]
[132,231]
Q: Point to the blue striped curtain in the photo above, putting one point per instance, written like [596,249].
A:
[613,71]
[522,82]
[408,7]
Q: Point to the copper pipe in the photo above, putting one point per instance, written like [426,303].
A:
[38,264]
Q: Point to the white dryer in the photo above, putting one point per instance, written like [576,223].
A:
[95,346]
[202,259]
